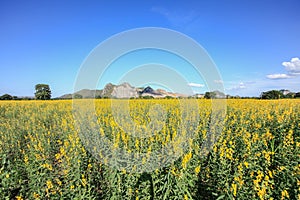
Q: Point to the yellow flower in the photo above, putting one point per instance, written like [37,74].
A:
[123,171]
[270,174]
[284,194]
[19,198]
[234,189]
[35,195]
[186,159]
[281,168]
[26,159]
[89,166]
[186,197]
[137,192]
[49,184]
[261,193]
[83,180]
[58,181]
[197,170]
[267,178]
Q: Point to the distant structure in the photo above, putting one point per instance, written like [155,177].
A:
[198,96]
[285,92]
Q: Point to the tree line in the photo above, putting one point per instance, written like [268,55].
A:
[271,94]
[277,94]
[43,92]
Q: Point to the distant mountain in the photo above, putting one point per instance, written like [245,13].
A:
[107,90]
[149,90]
[85,93]
[124,90]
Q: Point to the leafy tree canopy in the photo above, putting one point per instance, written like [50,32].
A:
[272,94]
[6,97]
[42,92]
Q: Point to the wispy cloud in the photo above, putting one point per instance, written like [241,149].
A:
[278,76]
[175,17]
[196,85]
[219,81]
[239,86]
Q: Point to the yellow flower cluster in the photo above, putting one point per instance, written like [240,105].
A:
[50,152]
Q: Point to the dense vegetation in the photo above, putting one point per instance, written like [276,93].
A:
[256,156]
[42,92]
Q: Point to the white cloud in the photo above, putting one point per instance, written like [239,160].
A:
[196,85]
[293,66]
[278,76]
[239,86]
[292,70]
[254,88]
[218,81]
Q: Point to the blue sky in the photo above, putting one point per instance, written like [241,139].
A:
[254,44]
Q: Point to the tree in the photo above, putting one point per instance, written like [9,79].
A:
[42,92]
[77,96]
[290,95]
[147,97]
[297,95]
[210,95]
[272,94]
[6,97]
[168,97]
[207,95]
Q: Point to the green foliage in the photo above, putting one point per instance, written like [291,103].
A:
[256,156]
[42,92]
[210,95]
[6,97]
[272,94]
[290,95]
[147,97]
[214,95]
[77,96]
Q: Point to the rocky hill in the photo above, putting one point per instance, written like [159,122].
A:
[124,90]
[85,93]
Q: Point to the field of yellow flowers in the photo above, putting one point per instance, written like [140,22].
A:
[256,156]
